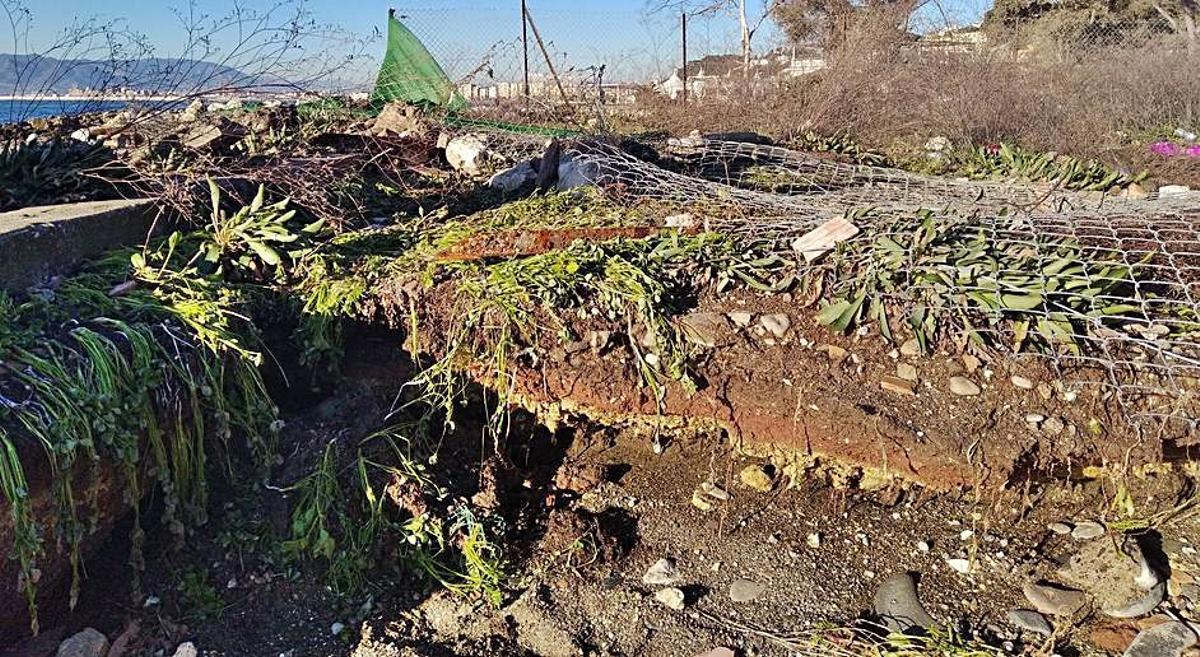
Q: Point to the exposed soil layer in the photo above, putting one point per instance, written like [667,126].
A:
[589,512]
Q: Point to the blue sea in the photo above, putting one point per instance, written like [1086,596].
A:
[14,111]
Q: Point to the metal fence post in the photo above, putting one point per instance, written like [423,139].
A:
[525,48]
[683,23]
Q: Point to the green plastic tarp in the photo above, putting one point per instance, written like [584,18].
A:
[410,74]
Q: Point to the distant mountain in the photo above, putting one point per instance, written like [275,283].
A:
[33,75]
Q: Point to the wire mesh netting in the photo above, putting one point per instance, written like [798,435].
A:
[1106,290]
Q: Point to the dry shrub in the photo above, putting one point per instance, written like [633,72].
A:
[886,90]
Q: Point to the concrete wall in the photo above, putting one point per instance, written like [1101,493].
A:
[39,242]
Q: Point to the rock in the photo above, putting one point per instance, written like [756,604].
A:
[1060,528]
[704,329]
[186,649]
[1030,621]
[1036,419]
[1087,530]
[961,566]
[1174,191]
[897,604]
[671,597]
[336,628]
[82,134]
[87,643]
[963,387]
[1053,599]
[699,502]
[1021,382]
[397,118]
[910,348]
[468,154]
[744,590]
[777,324]
[740,319]
[1053,426]
[835,353]
[1118,577]
[513,178]
[1134,191]
[218,134]
[718,652]
[813,540]
[897,385]
[1165,640]
[574,173]
[757,478]
[662,573]
[970,363]
[906,371]
[192,112]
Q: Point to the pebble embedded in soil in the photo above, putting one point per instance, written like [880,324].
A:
[1053,426]
[813,540]
[777,324]
[1060,528]
[963,387]
[1165,640]
[671,597]
[719,652]
[740,319]
[744,590]
[1087,530]
[87,643]
[906,371]
[661,573]
[186,649]
[897,385]
[756,477]
[704,329]
[898,606]
[1030,621]
[962,566]
[1053,599]
[1022,382]
[910,348]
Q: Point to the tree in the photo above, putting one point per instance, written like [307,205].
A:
[751,15]
[826,22]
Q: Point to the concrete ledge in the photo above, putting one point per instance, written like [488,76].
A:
[40,242]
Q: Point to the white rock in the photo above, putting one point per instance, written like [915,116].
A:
[186,649]
[777,324]
[1174,191]
[468,154]
[963,387]
[83,134]
[512,179]
[661,573]
[672,598]
[962,566]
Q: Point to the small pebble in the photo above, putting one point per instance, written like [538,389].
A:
[962,566]
[1022,382]
[744,590]
[963,387]
[1087,530]
[671,597]
[1030,621]
[1060,528]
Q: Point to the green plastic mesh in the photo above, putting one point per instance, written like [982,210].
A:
[410,74]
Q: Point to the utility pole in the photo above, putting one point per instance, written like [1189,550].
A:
[683,25]
[525,47]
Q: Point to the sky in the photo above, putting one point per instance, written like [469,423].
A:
[471,38]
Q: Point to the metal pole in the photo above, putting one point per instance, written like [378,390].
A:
[525,46]
[683,24]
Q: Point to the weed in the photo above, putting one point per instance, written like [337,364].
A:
[920,271]
[198,598]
